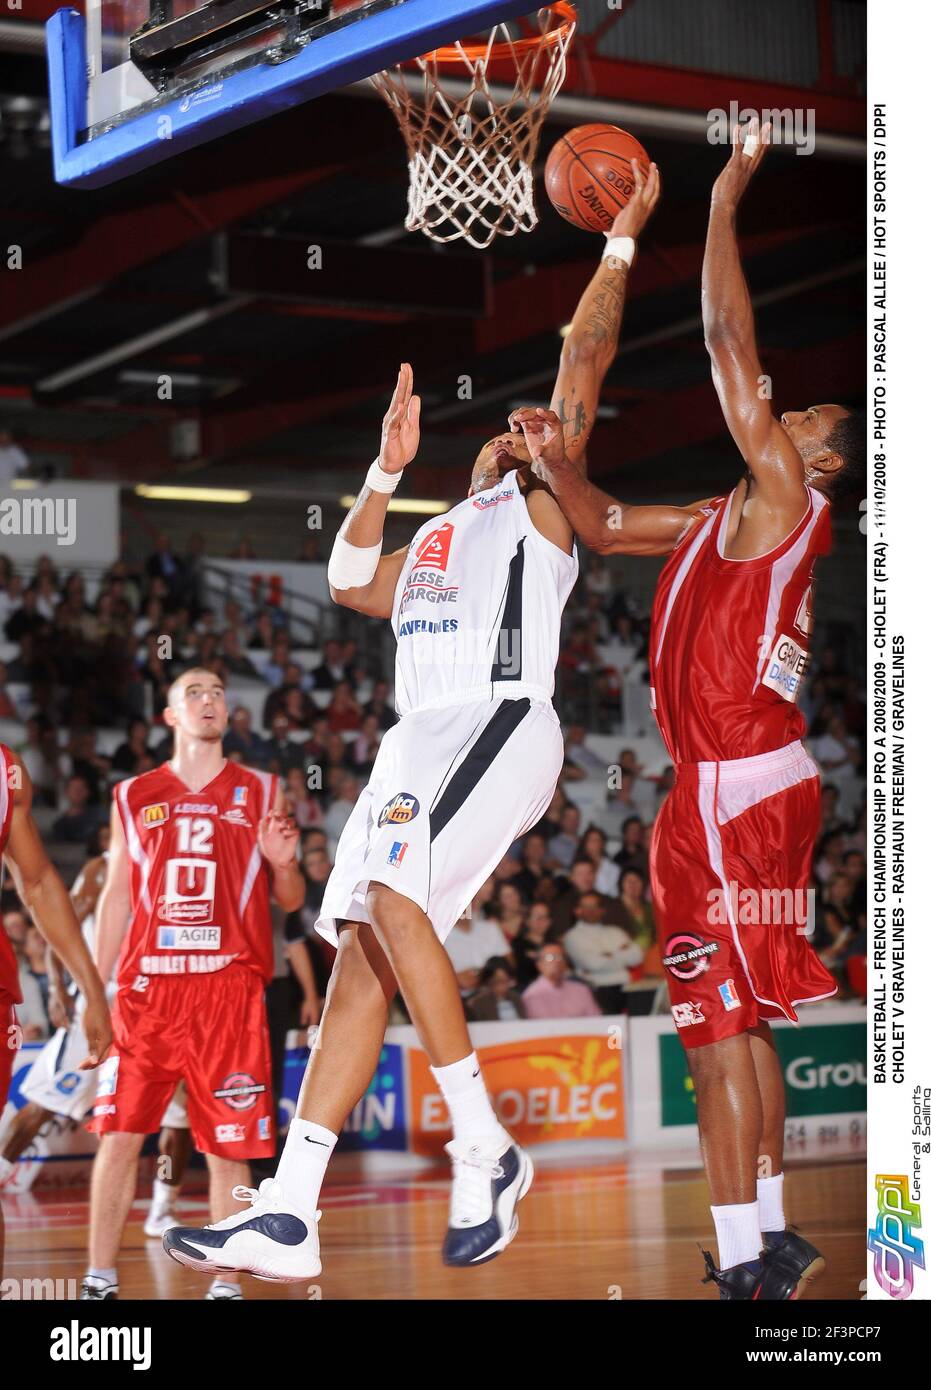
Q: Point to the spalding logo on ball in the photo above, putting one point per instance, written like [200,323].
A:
[588,174]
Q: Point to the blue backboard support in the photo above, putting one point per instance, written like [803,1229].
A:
[349,54]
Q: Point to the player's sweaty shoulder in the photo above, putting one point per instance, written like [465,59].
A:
[530,483]
[548,519]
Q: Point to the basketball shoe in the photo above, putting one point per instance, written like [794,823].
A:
[161,1215]
[487,1185]
[272,1240]
[220,1291]
[795,1257]
[774,1278]
[96,1290]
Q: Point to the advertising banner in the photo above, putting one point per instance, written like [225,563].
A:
[823,1063]
[551,1082]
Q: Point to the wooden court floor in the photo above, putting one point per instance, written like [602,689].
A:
[621,1229]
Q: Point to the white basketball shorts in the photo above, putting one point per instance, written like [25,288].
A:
[53,1080]
[452,788]
[55,1083]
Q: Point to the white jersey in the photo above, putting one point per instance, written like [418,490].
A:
[89,933]
[479,603]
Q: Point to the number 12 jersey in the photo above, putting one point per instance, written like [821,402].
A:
[199,884]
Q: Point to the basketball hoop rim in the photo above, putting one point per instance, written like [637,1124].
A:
[453,53]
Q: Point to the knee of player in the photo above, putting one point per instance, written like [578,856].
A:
[120,1145]
[392,913]
[173,1143]
[720,1062]
[32,1116]
[356,973]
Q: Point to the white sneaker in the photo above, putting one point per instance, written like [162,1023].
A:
[273,1240]
[97,1290]
[487,1185]
[159,1220]
[219,1290]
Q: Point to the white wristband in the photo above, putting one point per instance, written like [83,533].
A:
[621,247]
[352,566]
[380,481]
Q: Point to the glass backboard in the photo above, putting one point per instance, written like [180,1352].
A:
[137,81]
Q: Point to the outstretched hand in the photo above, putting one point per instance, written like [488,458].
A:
[632,218]
[543,432]
[747,151]
[400,430]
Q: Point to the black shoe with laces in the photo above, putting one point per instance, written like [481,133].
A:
[790,1257]
[739,1282]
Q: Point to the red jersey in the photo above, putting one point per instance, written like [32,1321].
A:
[730,639]
[199,886]
[9,971]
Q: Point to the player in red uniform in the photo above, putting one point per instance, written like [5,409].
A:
[731,849]
[197,847]
[44,895]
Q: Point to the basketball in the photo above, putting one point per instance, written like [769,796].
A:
[589,177]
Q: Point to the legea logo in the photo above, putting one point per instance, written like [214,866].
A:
[897,1252]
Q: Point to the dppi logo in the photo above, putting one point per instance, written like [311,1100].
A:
[399,810]
[897,1251]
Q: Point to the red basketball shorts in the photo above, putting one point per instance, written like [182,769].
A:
[209,1031]
[730,865]
[9,1044]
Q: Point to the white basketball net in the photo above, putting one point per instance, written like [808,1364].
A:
[471,154]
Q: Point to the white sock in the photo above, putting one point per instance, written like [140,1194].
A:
[163,1195]
[304,1161]
[470,1109]
[769,1194]
[737,1228]
[229,1280]
[107,1276]
[6,1168]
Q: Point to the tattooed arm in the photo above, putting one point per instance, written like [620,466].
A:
[591,344]
[601,522]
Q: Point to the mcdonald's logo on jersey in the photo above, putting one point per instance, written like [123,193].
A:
[155,815]
[434,548]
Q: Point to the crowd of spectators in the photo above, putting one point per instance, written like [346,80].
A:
[565,925]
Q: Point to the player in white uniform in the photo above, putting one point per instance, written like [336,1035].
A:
[56,1085]
[475,603]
